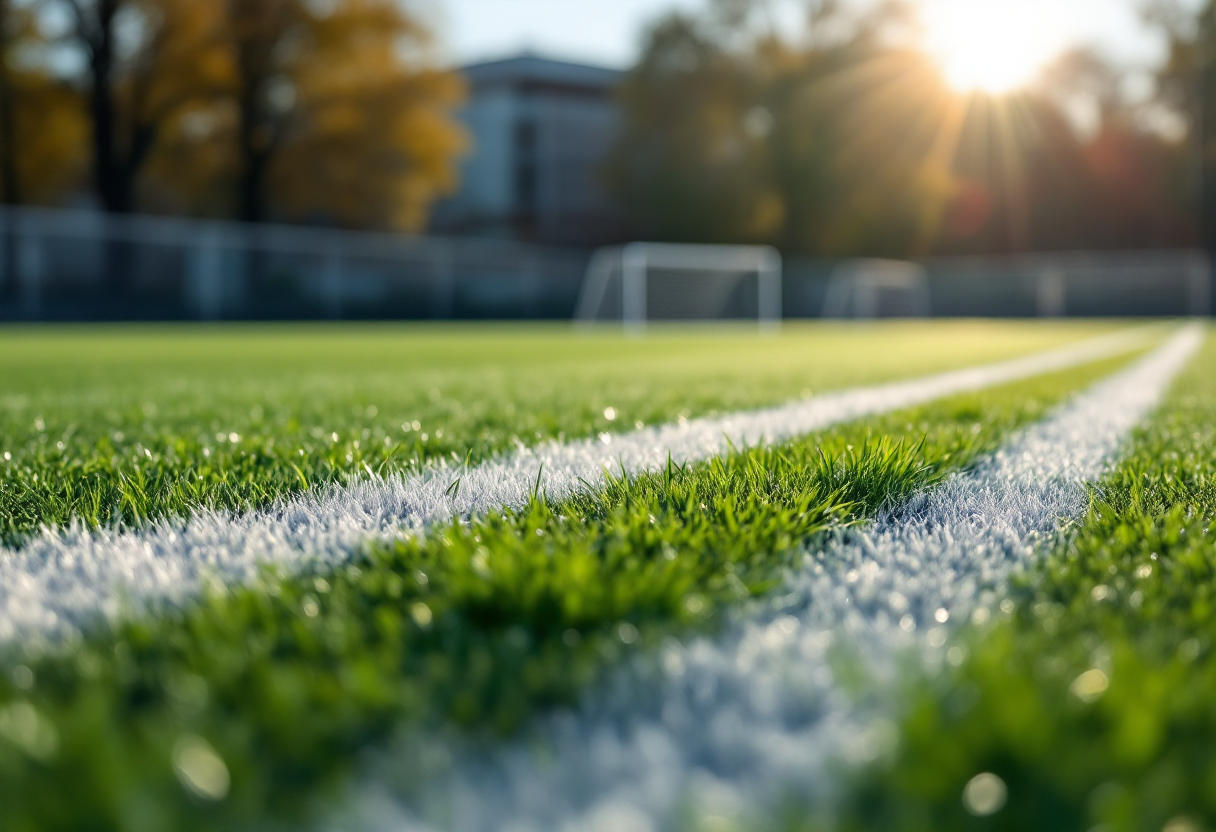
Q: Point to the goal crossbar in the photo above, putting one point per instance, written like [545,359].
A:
[856,285]
[633,263]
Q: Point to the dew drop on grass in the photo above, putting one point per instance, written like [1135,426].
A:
[1181,824]
[422,615]
[985,794]
[200,769]
[627,633]
[23,677]
[1090,685]
[23,726]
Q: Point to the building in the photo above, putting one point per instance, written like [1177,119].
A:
[541,131]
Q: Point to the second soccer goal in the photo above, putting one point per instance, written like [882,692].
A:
[642,282]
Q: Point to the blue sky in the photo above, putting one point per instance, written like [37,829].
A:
[607,31]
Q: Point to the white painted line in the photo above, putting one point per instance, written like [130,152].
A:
[63,578]
[727,727]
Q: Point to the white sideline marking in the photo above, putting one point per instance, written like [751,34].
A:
[726,728]
[64,578]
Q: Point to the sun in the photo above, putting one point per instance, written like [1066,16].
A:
[991,46]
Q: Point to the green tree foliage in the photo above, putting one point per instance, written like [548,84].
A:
[844,139]
[741,137]
[1068,163]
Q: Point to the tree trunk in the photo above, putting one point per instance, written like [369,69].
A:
[108,173]
[1205,125]
[251,194]
[8,125]
[11,194]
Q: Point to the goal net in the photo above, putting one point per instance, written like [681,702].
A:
[878,289]
[643,282]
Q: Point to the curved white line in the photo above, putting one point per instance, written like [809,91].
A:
[64,578]
[727,727]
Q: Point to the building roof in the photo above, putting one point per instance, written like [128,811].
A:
[532,70]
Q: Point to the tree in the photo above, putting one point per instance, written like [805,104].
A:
[146,59]
[42,128]
[829,143]
[844,140]
[338,116]
[10,188]
[265,43]
[1187,84]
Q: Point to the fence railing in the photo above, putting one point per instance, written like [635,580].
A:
[1164,283]
[74,265]
[63,265]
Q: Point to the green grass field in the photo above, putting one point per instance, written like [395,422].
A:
[112,427]
[1088,697]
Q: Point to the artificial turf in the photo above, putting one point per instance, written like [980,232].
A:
[112,427]
[251,705]
[1089,701]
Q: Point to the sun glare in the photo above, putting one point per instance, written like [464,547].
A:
[992,46]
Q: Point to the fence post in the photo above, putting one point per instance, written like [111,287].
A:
[208,277]
[334,268]
[1051,294]
[8,258]
[30,270]
[443,279]
[1200,290]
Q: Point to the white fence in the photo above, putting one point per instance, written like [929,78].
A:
[1165,283]
[83,265]
[87,265]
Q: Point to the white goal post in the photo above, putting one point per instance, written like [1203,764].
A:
[872,288]
[640,282]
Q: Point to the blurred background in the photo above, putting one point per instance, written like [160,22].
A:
[448,159]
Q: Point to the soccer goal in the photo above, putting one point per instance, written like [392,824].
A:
[875,288]
[642,282]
